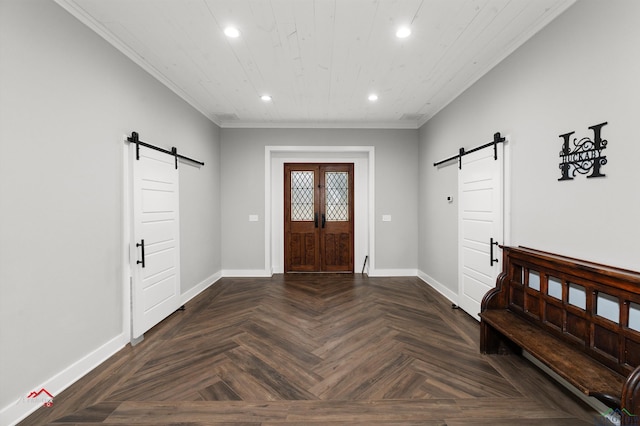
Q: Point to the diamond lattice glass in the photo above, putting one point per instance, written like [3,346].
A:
[337,196]
[301,196]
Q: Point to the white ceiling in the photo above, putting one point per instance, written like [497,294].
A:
[318,59]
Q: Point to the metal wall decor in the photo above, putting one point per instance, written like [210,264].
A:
[585,156]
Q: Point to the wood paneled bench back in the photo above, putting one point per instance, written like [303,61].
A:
[579,318]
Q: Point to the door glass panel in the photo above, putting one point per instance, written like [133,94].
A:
[337,196]
[302,196]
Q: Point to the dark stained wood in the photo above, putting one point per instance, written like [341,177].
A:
[588,350]
[318,245]
[314,349]
[576,367]
[301,237]
[337,237]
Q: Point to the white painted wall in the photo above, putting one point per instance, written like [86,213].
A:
[581,70]
[396,191]
[67,100]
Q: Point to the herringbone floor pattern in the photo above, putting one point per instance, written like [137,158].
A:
[315,349]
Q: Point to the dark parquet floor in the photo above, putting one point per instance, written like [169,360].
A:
[314,349]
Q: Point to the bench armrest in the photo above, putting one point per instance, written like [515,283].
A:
[610,401]
[631,393]
[496,298]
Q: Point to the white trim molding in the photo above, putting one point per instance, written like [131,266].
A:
[404,124]
[20,409]
[246,273]
[439,287]
[364,159]
[76,10]
[200,287]
[393,272]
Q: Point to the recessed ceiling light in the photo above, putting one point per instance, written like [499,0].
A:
[266,98]
[403,32]
[232,32]
[373,97]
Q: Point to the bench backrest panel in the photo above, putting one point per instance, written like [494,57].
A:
[595,307]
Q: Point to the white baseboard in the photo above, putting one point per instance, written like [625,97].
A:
[439,287]
[199,288]
[20,409]
[246,273]
[393,272]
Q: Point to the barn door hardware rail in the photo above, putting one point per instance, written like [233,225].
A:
[134,138]
[497,138]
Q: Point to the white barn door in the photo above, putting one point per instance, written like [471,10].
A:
[480,220]
[155,250]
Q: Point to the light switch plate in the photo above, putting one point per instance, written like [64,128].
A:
[253,218]
[386,218]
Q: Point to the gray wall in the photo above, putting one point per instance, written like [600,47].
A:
[581,70]
[67,101]
[243,183]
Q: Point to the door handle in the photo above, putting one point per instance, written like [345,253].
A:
[315,219]
[141,244]
[324,220]
[491,244]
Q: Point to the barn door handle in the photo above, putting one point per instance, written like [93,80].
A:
[315,219]
[324,220]
[491,244]
[141,244]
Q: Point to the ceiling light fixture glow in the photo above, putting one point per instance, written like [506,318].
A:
[266,98]
[232,32]
[373,97]
[403,32]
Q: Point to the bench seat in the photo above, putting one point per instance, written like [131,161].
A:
[578,318]
[569,362]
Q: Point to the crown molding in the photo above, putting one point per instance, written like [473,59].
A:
[80,14]
[515,44]
[412,125]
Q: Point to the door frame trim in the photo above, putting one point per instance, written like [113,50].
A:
[127,218]
[363,158]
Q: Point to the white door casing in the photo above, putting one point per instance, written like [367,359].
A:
[480,219]
[363,158]
[156,283]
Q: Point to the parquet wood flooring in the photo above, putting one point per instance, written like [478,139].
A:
[315,349]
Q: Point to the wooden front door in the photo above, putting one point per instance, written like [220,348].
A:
[318,223]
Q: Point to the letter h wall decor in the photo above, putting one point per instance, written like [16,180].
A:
[585,156]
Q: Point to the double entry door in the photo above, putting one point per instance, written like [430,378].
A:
[319,220]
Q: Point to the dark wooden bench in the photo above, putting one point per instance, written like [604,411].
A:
[580,319]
